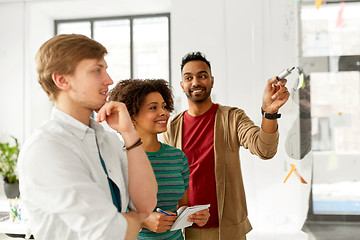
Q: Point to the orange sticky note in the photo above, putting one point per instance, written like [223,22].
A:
[293,170]
[318,3]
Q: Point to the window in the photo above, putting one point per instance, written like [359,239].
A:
[331,58]
[138,46]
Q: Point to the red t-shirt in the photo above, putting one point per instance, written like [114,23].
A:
[198,145]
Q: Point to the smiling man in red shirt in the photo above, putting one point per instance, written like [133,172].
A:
[210,135]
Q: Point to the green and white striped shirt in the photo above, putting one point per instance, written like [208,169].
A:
[171,169]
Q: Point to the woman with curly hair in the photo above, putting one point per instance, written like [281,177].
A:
[149,103]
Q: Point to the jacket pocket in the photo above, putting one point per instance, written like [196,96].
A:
[234,205]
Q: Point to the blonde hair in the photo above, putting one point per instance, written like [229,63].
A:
[62,54]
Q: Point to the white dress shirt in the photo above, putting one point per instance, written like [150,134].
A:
[63,185]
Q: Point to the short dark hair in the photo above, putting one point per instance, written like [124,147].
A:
[132,93]
[194,56]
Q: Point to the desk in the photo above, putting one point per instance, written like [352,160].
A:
[7,226]
[14,228]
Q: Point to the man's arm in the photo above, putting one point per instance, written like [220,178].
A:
[269,126]
[263,143]
[134,221]
[275,96]
[142,181]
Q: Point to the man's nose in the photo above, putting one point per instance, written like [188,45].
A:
[195,81]
[108,80]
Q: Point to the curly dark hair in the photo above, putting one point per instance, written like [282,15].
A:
[132,93]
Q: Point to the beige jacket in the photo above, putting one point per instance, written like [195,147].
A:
[233,129]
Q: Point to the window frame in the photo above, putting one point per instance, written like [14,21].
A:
[131,18]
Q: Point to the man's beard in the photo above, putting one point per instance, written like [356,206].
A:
[202,99]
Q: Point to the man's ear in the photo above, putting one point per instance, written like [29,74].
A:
[181,84]
[60,81]
[212,82]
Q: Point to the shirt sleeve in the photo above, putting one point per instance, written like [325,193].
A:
[252,137]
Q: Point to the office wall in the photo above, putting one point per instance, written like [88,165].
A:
[247,42]
[11,66]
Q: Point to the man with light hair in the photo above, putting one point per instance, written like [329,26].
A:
[77,181]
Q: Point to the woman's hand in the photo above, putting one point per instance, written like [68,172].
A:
[159,222]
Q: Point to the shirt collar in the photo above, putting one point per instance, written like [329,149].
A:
[76,127]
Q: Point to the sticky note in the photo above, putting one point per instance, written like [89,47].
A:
[318,3]
[293,170]
[339,21]
[301,81]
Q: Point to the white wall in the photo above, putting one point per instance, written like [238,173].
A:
[247,42]
[11,66]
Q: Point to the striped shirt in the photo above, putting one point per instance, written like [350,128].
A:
[171,169]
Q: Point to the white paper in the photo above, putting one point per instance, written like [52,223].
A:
[182,222]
